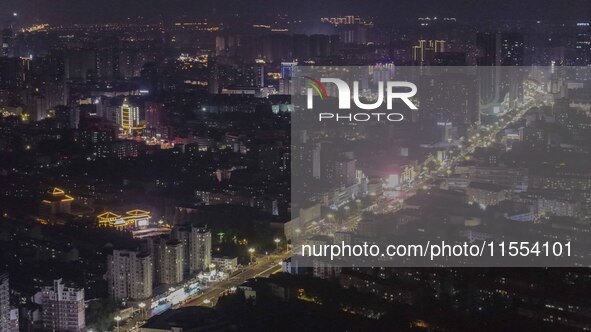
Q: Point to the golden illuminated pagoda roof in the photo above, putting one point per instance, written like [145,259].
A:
[130,218]
[57,192]
[57,195]
[108,215]
[137,212]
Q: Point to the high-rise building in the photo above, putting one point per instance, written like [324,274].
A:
[183,234]
[496,50]
[6,49]
[196,243]
[288,69]
[168,260]
[512,54]
[107,63]
[63,308]
[80,64]
[155,118]
[512,49]
[11,73]
[4,302]
[583,43]
[129,118]
[45,86]
[200,249]
[488,49]
[353,34]
[489,76]
[8,315]
[344,171]
[129,275]
[425,50]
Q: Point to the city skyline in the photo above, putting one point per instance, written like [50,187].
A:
[155,10]
[236,165]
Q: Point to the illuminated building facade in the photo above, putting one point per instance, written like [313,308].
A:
[63,308]
[56,202]
[425,49]
[129,118]
[4,302]
[131,219]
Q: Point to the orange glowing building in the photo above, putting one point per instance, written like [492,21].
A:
[131,219]
[55,202]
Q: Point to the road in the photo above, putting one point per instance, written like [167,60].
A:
[263,267]
[483,138]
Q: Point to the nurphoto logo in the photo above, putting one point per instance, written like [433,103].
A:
[389,93]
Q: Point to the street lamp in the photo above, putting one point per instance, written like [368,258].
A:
[277,244]
[117,319]
[251,252]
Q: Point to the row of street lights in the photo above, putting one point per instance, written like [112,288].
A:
[118,318]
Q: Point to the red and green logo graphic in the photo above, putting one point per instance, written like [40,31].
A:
[317,86]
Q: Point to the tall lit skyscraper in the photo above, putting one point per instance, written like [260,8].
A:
[8,315]
[200,249]
[196,243]
[63,308]
[129,118]
[489,72]
[4,302]
[495,50]
[168,261]
[129,275]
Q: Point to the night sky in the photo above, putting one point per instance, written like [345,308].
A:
[90,11]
